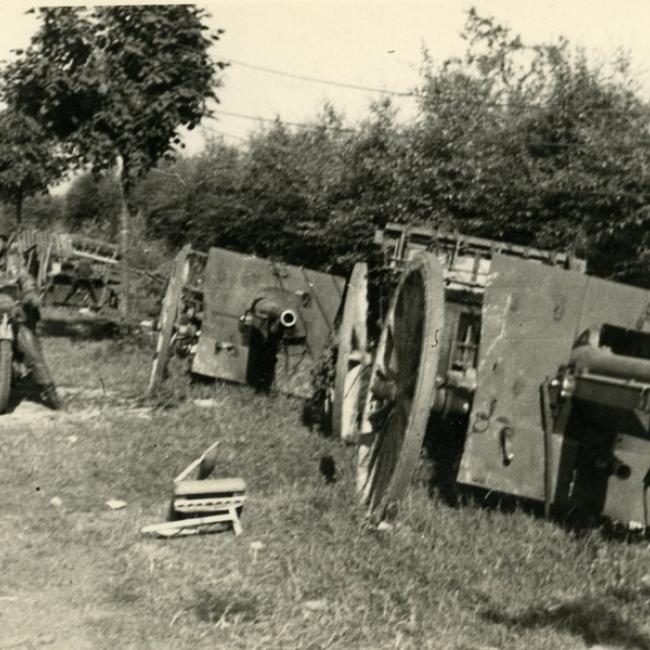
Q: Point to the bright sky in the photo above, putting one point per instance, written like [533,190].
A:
[376,44]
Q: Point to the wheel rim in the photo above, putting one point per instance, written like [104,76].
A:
[398,404]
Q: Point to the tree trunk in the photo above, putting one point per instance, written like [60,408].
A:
[124,243]
[125,222]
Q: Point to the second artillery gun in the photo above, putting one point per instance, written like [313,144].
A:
[245,319]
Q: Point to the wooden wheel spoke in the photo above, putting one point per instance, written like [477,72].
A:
[392,433]
[352,380]
[388,362]
[405,404]
[386,450]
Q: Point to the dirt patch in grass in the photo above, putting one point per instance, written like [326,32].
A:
[79,404]
[43,619]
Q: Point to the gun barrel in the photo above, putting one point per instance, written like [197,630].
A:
[268,308]
[598,361]
[288,318]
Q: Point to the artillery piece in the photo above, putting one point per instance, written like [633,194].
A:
[522,374]
[54,259]
[233,315]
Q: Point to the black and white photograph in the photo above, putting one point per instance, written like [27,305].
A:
[325,324]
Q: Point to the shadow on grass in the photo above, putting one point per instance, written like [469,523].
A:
[578,523]
[588,618]
[211,608]
[21,390]
[613,532]
[94,329]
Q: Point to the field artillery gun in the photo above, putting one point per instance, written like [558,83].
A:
[521,375]
[53,258]
[246,319]
[56,260]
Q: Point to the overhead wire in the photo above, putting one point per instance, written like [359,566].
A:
[326,82]
[224,133]
[398,93]
[328,127]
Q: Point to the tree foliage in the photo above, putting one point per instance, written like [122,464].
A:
[534,144]
[116,81]
[28,159]
[44,212]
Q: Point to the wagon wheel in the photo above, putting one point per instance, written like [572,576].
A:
[351,357]
[402,389]
[168,316]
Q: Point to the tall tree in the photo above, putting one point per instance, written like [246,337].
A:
[533,144]
[116,84]
[28,160]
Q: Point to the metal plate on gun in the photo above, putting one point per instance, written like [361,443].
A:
[232,282]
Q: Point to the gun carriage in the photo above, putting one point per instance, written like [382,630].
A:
[521,374]
[56,259]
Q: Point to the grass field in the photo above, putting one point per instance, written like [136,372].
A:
[308,571]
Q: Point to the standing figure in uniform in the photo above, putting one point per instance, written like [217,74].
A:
[25,317]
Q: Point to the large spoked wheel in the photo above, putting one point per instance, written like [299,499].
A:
[402,386]
[168,316]
[6,354]
[351,359]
